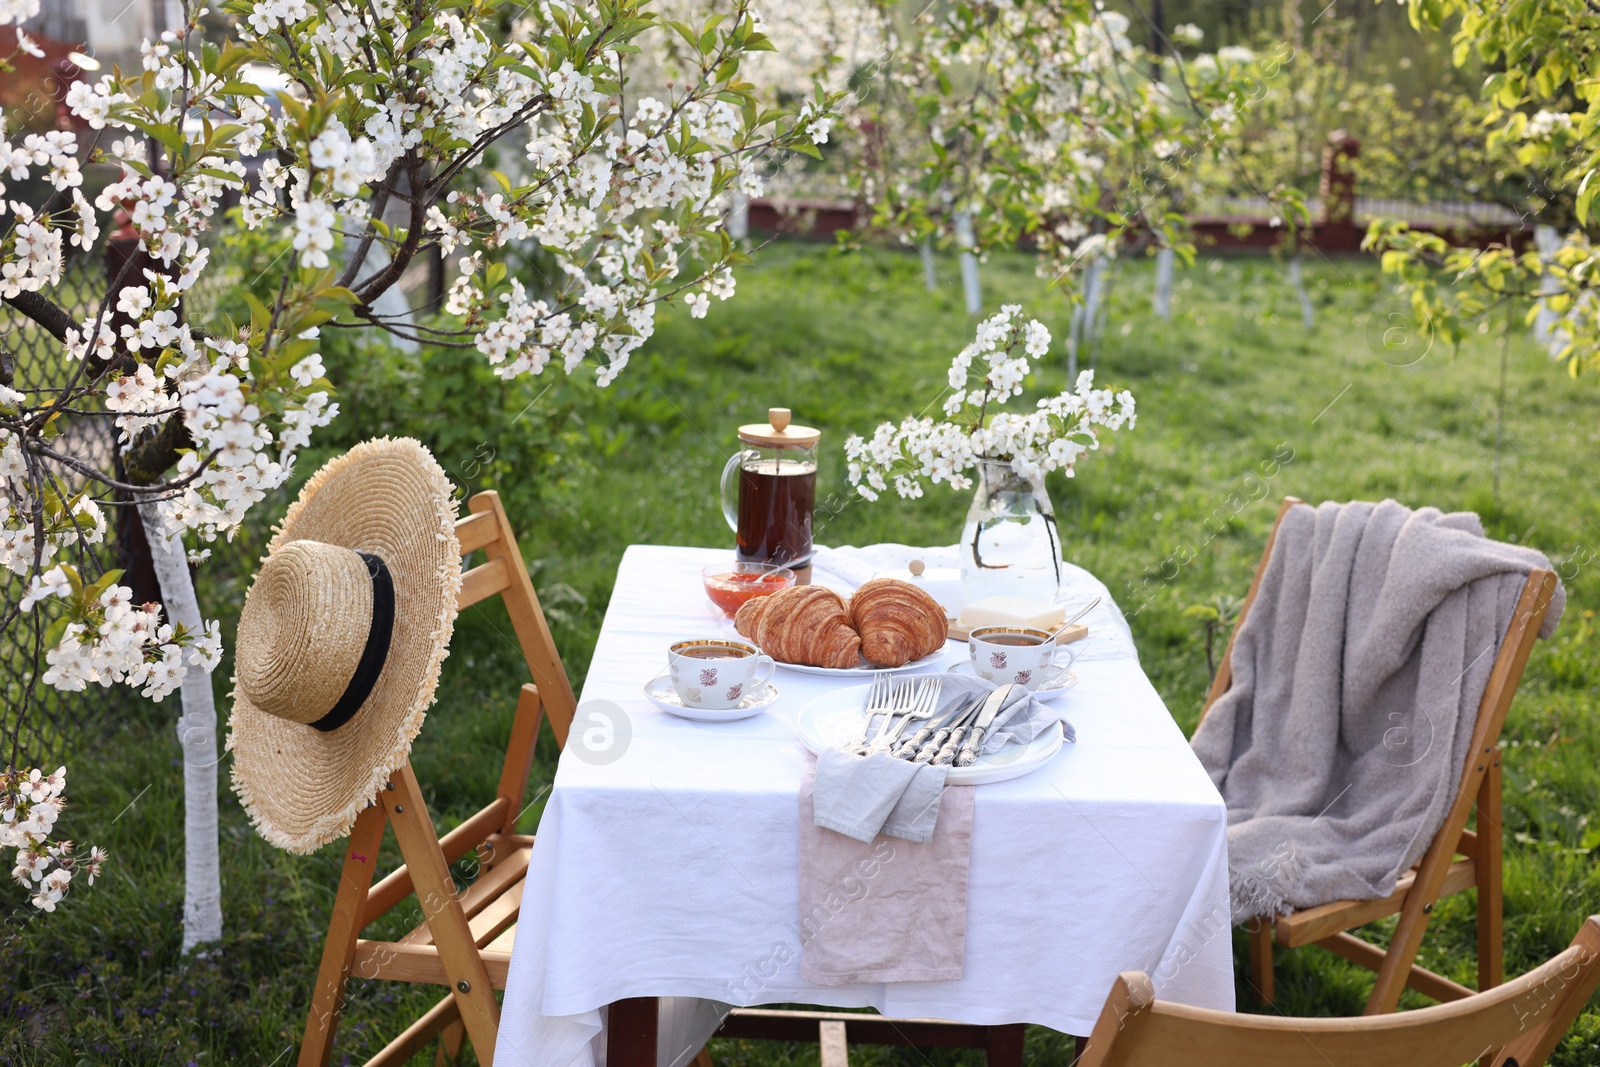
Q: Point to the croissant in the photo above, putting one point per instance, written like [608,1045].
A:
[806,624]
[897,621]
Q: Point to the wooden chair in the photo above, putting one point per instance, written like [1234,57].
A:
[464,941]
[1515,1025]
[1439,873]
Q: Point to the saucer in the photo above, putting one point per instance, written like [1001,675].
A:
[662,695]
[1054,686]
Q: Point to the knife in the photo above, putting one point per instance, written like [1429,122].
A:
[972,747]
[907,748]
[952,727]
[986,714]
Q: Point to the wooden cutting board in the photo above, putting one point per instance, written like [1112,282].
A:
[1076,632]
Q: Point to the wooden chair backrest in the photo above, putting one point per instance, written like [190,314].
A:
[505,573]
[1224,677]
[1514,1025]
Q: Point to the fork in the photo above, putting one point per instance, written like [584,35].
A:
[923,706]
[902,700]
[880,701]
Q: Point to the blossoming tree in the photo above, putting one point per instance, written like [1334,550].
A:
[993,121]
[478,129]
[1542,105]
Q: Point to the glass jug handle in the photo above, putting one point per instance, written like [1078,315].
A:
[730,488]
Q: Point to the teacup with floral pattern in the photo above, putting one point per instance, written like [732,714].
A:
[1021,654]
[716,674]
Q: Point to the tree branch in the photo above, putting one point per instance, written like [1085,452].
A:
[44,311]
[380,202]
[379,283]
[147,461]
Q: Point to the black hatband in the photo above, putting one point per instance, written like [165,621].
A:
[372,656]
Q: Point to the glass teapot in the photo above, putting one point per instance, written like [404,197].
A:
[769,491]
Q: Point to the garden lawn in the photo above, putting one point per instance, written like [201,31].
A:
[1238,406]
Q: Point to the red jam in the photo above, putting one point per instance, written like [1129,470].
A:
[731,591]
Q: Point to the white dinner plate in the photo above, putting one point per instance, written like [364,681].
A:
[662,695]
[834,719]
[864,669]
[1058,684]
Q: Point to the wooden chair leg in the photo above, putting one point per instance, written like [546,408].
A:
[1005,1045]
[704,1059]
[344,929]
[1260,974]
[1402,953]
[441,907]
[450,1040]
[835,1049]
[1491,943]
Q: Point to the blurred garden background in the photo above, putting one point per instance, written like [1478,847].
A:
[1270,353]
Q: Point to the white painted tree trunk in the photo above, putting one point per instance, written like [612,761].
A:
[1086,317]
[197,733]
[739,216]
[1308,315]
[930,271]
[969,263]
[1162,301]
[1099,311]
[1548,328]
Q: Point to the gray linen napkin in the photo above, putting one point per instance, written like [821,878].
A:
[857,794]
[863,796]
[1022,718]
[884,910]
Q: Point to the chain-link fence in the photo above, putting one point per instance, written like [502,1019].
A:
[40,726]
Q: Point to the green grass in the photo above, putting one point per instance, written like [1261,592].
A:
[1232,382]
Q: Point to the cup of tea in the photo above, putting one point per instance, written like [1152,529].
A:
[1024,655]
[715,674]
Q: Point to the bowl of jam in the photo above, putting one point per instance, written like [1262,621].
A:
[729,586]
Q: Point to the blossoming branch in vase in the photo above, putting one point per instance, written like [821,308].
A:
[983,377]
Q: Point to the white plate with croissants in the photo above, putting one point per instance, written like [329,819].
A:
[886,624]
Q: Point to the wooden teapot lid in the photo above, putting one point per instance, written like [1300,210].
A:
[777,432]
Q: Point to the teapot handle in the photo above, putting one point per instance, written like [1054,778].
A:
[730,488]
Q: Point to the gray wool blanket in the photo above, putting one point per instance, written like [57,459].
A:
[1357,675]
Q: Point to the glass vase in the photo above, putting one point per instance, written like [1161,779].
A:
[1010,545]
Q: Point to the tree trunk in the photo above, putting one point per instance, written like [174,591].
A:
[1548,328]
[1163,295]
[197,733]
[930,272]
[969,263]
[1099,307]
[1308,316]
[1082,329]
[739,216]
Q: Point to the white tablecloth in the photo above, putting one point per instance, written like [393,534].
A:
[666,858]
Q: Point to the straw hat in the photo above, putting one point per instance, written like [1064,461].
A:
[341,639]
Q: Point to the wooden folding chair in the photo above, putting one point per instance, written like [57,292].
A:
[1516,1025]
[1439,873]
[464,941]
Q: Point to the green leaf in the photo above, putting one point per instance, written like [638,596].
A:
[106,581]
[259,315]
[54,632]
